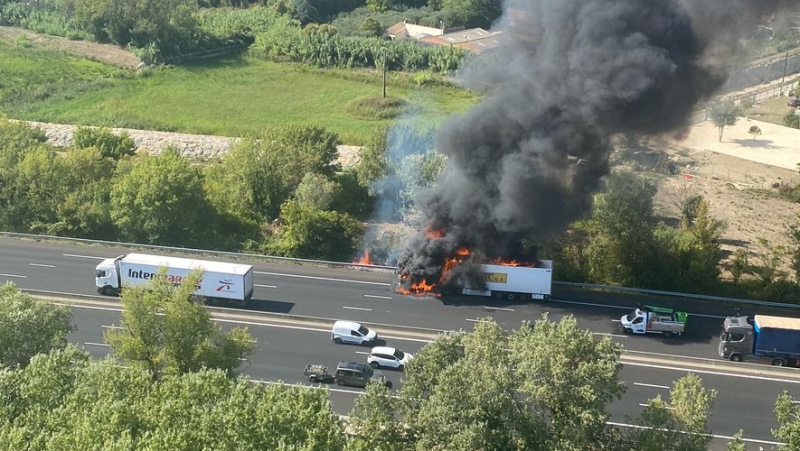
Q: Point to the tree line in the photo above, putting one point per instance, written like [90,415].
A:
[173,380]
[281,192]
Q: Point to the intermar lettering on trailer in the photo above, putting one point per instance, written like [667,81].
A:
[144,275]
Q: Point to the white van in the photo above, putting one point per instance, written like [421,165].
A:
[352,332]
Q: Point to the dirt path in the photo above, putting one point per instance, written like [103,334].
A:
[105,53]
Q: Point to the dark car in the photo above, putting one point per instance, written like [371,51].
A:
[794,103]
[357,374]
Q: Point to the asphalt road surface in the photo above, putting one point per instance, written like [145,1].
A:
[744,401]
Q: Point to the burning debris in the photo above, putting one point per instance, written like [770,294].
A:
[589,71]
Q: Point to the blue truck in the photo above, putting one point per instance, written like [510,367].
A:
[761,338]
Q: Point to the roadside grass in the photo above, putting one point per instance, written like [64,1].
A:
[772,110]
[27,72]
[244,95]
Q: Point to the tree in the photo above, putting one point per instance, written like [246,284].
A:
[787,412]
[109,143]
[161,200]
[374,423]
[316,192]
[64,400]
[792,119]
[260,173]
[371,28]
[379,6]
[681,424]
[165,331]
[755,131]
[740,265]
[310,233]
[544,386]
[29,327]
[472,13]
[724,114]
[737,444]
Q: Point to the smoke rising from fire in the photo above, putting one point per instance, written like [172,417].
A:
[524,163]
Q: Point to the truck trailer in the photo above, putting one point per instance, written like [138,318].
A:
[228,282]
[654,320]
[516,282]
[767,339]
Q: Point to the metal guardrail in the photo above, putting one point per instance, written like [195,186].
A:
[583,286]
[190,250]
[588,286]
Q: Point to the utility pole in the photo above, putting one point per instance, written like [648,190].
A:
[785,64]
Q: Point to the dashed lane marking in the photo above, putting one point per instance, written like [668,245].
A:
[357,308]
[18,276]
[264,286]
[83,256]
[331,279]
[641,384]
[377,297]
[41,265]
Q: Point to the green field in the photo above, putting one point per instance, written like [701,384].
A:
[772,110]
[229,97]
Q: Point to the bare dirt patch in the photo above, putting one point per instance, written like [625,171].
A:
[738,176]
[104,53]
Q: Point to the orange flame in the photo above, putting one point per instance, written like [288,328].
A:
[364,259]
[434,233]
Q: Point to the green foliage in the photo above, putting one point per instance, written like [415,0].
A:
[316,192]
[377,107]
[472,13]
[260,173]
[166,332]
[679,425]
[310,233]
[351,197]
[371,28]
[349,24]
[286,42]
[740,265]
[66,401]
[755,131]
[160,200]
[788,413]
[110,144]
[792,119]
[737,444]
[724,114]
[29,327]
[544,386]
[379,5]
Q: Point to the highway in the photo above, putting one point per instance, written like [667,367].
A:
[744,401]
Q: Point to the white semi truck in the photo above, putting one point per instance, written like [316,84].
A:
[229,282]
[516,282]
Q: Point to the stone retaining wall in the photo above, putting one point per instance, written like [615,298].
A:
[198,147]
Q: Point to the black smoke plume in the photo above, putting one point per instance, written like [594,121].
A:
[524,163]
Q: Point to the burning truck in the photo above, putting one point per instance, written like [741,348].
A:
[469,274]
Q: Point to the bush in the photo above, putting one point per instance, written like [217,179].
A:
[377,107]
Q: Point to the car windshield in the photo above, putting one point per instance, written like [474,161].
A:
[101,273]
[632,315]
[723,336]
[399,354]
[363,331]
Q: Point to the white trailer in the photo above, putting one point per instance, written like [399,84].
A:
[231,282]
[516,282]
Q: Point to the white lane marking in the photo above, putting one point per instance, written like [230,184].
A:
[651,385]
[264,286]
[357,308]
[486,307]
[378,297]
[615,320]
[641,404]
[88,307]
[477,320]
[41,265]
[14,275]
[112,327]
[713,373]
[83,256]
[91,343]
[606,334]
[323,278]
[318,386]
[724,437]
[362,352]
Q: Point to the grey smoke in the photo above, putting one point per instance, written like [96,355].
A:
[574,73]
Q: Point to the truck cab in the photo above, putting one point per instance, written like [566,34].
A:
[653,320]
[106,277]
[736,338]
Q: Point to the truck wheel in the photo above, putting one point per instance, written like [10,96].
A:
[511,296]
[497,295]
[627,331]
[736,357]
[778,362]
[313,378]
[105,291]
